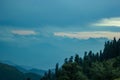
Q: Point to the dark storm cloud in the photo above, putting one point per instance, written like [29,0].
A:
[32,13]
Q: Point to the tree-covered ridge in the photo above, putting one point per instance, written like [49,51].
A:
[103,65]
[8,72]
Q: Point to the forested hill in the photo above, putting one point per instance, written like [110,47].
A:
[103,65]
[8,72]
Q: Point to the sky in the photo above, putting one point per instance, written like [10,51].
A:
[40,33]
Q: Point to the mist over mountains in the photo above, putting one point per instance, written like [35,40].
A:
[59,48]
[25,69]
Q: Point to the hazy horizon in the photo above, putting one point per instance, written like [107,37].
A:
[39,33]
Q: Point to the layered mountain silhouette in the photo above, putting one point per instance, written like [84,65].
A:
[10,72]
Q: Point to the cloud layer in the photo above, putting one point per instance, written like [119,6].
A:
[87,35]
[24,32]
[30,13]
[115,21]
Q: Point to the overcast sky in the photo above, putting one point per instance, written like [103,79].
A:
[40,33]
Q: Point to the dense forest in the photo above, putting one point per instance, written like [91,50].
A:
[103,65]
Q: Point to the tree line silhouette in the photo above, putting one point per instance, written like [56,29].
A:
[103,65]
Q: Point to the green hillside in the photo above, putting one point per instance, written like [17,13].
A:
[8,72]
[103,65]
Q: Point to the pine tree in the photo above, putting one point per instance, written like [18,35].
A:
[71,59]
[56,71]
[77,59]
[66,60]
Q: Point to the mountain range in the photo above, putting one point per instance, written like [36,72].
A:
[16,72]
[25,69]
